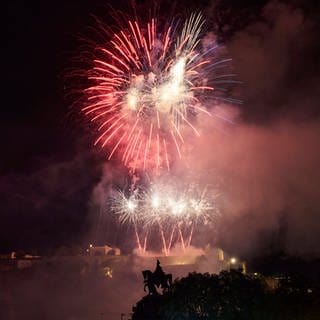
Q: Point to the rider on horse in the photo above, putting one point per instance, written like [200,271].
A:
[158,272]
[156,279]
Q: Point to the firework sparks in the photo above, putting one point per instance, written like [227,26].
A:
[172,212]
[126,208]
[148,85]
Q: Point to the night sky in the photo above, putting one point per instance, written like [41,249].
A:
[51,174]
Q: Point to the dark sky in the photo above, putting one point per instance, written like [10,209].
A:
[50,174]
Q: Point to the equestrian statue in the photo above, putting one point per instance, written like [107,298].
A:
[156,279]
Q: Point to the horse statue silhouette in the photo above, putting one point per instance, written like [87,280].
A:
[156,279]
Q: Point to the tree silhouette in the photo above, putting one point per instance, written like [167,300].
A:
[231,295]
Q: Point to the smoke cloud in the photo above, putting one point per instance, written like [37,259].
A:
[269,160]
[270,185]
[78,287]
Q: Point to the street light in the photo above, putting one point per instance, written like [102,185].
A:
[233,260]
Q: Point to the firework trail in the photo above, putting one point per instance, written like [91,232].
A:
[148,84]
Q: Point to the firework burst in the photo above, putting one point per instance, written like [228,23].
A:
[174,213]
[147,86]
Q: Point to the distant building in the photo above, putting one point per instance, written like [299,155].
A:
[109,260]
[11,261]
[103,251]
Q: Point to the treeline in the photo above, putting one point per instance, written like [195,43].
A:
[231,295]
